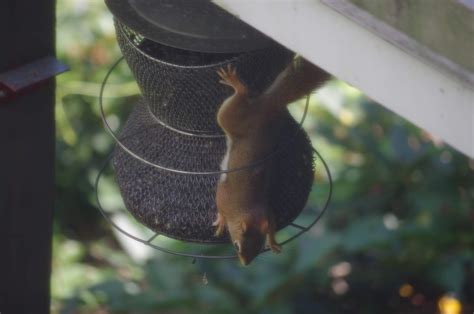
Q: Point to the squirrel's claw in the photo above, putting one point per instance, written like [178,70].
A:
[272,244]
[220,224]
[221,73]
[275,248]
[229,77]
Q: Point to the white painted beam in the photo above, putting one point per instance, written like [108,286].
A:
[411,87]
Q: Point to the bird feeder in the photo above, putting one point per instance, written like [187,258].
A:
[167,161]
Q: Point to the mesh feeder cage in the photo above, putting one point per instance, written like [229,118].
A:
[167,163]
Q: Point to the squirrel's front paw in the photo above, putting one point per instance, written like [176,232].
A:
[220,223]
[275,248]
[272,244]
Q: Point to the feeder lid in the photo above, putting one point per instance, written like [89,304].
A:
[196,25]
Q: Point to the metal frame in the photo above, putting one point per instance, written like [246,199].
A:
[148,242]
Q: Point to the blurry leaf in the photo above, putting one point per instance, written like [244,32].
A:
[312,249]
[449,273]
[167,276]
[399,140]
[364,232]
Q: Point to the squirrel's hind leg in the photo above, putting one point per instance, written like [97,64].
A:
[229,77]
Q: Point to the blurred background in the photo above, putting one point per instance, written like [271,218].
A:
[397,237]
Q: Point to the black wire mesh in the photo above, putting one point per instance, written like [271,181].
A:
[183,206]
[182,88]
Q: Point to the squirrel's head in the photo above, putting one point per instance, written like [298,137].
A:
[248,238]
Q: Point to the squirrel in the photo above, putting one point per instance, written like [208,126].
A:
[252,126]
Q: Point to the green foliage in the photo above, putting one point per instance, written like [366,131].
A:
[402,210]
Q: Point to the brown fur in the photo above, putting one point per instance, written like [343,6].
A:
[252,127]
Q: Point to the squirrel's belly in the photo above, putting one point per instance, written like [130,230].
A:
[225,160]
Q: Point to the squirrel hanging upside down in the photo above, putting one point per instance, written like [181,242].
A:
[252,127]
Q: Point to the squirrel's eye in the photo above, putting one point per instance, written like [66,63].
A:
[237,246]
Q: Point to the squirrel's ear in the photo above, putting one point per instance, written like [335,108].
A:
[265,226]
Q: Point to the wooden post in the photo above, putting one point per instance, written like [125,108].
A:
[26,162]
